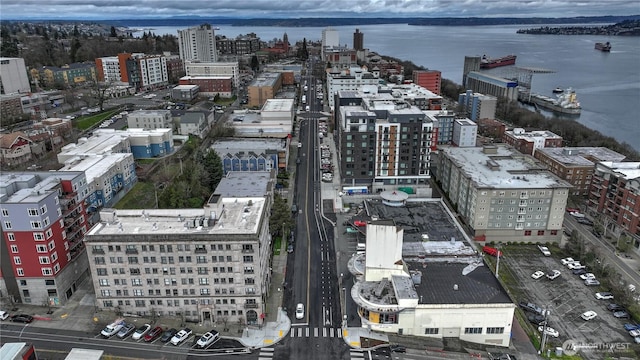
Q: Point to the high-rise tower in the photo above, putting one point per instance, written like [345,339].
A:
[358,40]
[198,44]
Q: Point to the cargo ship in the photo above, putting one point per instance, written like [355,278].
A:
[489,63]
[606,47]
[564,103]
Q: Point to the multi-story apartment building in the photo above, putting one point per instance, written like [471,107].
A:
[416,95]
[150,119]
[13,76]
[527,142]
[10,107]
[478,106]
[615,193]
[428,79]
[108,69]
[209,264]
[67,75]
[247,44]
[245,154]
[197,44]
[355,79]
[175,67]
[465,133]
[382,140]
[210,85]
[214,69]
[503,195]
[576,164]
[43,227]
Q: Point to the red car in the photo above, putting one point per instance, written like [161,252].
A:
[153,334]
[360,223]
[491,251]
[570,210]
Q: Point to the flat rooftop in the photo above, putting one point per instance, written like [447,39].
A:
[630,170]
[257,145]
[242,184]
[237,216]
[265,79]
[505,168]
[95,166]
[464,284]
[582,156]
[278,105]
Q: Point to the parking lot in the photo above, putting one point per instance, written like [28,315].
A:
[565,297]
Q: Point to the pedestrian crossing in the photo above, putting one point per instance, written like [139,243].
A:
[299,332]
[266,354]
[356,354]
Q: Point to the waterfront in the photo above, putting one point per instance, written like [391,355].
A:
[607,84]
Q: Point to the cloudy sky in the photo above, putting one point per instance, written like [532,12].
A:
[138,9]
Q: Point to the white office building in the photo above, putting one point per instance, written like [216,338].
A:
[13,76]
[465,133]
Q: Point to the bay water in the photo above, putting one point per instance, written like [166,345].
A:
[607,84]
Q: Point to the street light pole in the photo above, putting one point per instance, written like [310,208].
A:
[498,261]
[544,332]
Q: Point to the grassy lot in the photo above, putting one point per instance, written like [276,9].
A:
[86,122]
[142,196]
[277,246]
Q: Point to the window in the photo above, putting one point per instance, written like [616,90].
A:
[5,212]
[104,282]
[56,268]
[136,282]
[14,248]
[33,212]
[205,291]
[43,259]
[38,236]
[36,225]
[203,281]
[16,260]
[138,292]
[473,330]
[99,260]
[495,330]
[47,271]
[247,258]
[20,271]
[11,236]
[50,282]
[527,233]
[101,272]
[540,232]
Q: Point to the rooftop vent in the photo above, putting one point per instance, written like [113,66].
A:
[455,287]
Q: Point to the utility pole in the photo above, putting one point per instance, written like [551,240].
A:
[544,332]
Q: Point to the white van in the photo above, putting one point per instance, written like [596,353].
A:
[361,247]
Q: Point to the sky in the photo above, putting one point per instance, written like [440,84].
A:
[146,9]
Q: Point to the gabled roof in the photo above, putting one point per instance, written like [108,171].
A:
[8,140]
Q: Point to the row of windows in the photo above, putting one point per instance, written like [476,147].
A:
[478,330]
[45,271]
[169,248]
[100,260]
[30,211]
[174,282]
[172,292]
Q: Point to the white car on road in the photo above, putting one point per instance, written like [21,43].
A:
[208,339]
[299,311]
[544,250]
[589,315]
[604,296]
[587,276]
[567,261]
[553,275]
[181,336]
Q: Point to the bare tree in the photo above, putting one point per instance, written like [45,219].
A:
[101,91]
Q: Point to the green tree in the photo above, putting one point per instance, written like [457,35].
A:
[113,32]
[213,169]
[281,219]
[255,64]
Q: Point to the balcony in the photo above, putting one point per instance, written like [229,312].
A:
[201,250]
[97,251]
[247,251]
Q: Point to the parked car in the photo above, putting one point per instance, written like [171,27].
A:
[207,339]
[537,275]
[634,332]
[141,331]
[22,318]
[544,250]
[536,319]
[621,315]
[630,327]
[299,311]
[181,336]
[290,248]
[531,307]
[615,307]
[168,335]
[573,210]
[604,296]
[586,276]
[589,315]
[579,271]
[153,334]
[592,282]
[112,328]
[126,330]
[577,214]
[567,261]
[3,315]
[596,234]
[553,275]
[491,251]
[585,221]
[575,266]
[398,348]
[549,331]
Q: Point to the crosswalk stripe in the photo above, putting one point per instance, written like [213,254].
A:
[324,332]
[331,331]
[357,355]
[315,332]
[307,332]
[267,349]
[265,358]
[339,334]
[300,330]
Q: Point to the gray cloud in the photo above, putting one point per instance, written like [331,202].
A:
[127,9]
